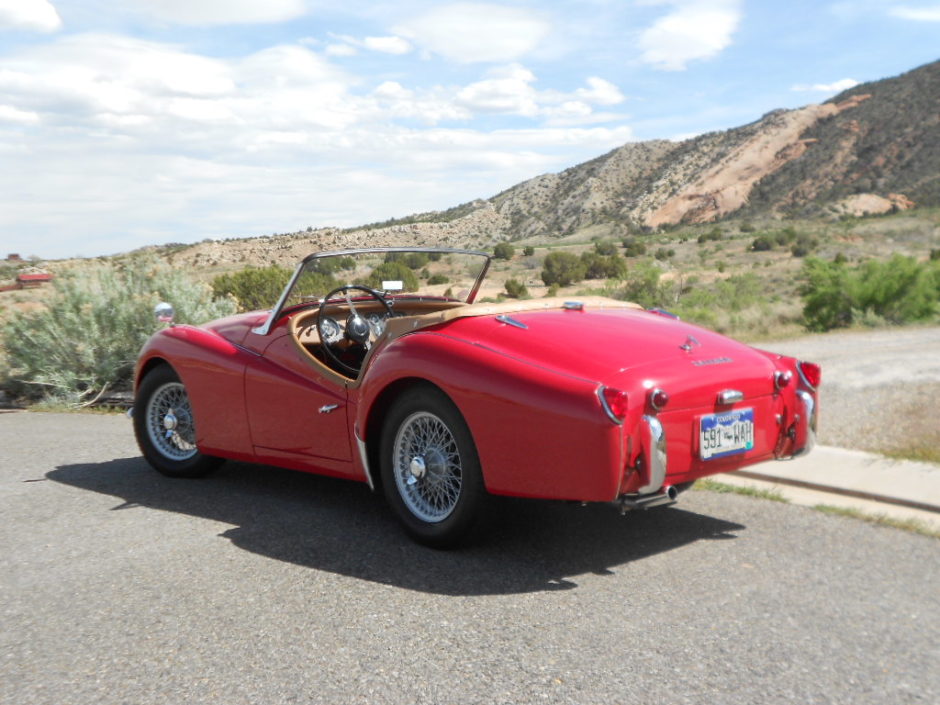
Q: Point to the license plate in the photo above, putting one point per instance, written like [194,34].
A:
[727,433]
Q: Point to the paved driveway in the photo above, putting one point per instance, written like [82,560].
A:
[264,586]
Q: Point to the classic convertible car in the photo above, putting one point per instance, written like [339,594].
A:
[367,370]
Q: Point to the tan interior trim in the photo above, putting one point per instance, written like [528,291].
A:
[303,327]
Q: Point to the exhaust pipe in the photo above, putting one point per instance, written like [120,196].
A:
[669,495]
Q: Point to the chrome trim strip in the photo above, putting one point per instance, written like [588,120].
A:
[606,406]
[653,439]
[730,396]
[364,457]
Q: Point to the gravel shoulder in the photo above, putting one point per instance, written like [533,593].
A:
[881,388]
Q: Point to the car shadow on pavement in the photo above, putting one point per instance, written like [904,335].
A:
[341,527]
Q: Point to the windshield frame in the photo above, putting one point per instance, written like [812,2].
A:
[275,313]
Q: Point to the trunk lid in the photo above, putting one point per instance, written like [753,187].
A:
[627,348]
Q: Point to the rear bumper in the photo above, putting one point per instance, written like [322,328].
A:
[804,426]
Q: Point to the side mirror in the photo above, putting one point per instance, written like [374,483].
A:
[164,312]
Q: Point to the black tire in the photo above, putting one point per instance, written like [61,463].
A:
[430,469]
[165,428]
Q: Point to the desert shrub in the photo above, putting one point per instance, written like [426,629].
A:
[86,341]
[393,271]
[528,251]
[712,235]
[663,253]
[412,260]
[504,251]
[899,290]
[516,289]
[803,245]
[762,243]
[437,279]
[747,227]
[562,268]
[253,288]
[598,266]
[934,254]
[642,286]
[633,247]
[605,248]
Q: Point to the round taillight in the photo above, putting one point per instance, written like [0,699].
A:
[811,373]
[658,398]
[782,378]
[615,403]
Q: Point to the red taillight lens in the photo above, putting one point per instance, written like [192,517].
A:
[658,398]
[615,403]
[811,372]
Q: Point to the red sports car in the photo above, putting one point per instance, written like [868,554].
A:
[376,365]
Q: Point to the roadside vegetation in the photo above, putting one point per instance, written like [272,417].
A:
[83,344]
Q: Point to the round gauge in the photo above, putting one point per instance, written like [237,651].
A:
[330,330]
[376,323]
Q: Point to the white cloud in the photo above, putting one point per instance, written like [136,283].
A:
[387,45]
[600,92]
[691,30]
[834,87]
[221,12]
[920,14]
[477,32]
[350,46]
[105,136]
[21,117]
[33,15]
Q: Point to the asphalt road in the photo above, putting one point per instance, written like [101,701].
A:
[264,586]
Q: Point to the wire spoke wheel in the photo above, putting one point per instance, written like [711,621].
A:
[428,471]
[431,472]
[170,422]
[165,426]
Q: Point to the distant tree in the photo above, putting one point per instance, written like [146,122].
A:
[605,248]
[762,243]
[516,289]
[528,251]
[254,288]
[504,250]
[603,267]
[562,268]
[393,271]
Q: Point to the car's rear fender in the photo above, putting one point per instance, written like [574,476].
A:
[538,433]
[212,370]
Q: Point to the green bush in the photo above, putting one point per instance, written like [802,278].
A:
[516,289]
[254,288]
[504,251]
[528,251]
[437,279]
[762,243]
[86,341]
[562,268]
[899,290]
[642,286]
[412,260]
[598,266]
[633,247]
[605,248]
[393,271]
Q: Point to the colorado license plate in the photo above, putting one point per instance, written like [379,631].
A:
[727,433]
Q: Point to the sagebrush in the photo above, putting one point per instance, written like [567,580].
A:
[85,341]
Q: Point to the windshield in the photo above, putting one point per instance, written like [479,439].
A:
[452,275]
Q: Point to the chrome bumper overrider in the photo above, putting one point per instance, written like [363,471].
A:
[653,456]
[804,427]
[652,467]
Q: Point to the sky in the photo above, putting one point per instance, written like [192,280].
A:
[140,122]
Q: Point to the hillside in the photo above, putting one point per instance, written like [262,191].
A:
[872,149]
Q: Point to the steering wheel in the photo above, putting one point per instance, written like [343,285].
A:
[358,331]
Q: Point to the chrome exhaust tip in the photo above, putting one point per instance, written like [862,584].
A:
[668,495]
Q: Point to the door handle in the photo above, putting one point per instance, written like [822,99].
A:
[328,408]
